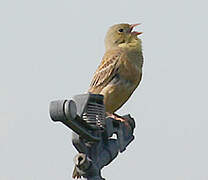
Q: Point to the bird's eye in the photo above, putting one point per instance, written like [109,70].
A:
[120,30]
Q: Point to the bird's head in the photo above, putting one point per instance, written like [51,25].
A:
[121,35]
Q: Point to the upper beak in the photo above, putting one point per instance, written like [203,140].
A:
[134,32]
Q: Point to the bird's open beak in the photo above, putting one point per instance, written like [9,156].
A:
[132,27]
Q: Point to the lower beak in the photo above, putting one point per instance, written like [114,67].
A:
[136,33]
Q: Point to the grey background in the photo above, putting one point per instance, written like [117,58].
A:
[49,50]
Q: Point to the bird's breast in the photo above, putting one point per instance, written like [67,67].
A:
[132,69]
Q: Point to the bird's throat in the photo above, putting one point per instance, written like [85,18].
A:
[132,45]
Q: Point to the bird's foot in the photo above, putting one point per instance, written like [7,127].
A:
[118,118]
[115,116]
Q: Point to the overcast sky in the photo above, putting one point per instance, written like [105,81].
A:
[49,49]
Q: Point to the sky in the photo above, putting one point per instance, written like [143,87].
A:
[49,50]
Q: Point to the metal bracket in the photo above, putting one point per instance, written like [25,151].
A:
[92,133]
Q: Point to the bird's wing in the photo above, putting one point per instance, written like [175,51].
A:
[107,69]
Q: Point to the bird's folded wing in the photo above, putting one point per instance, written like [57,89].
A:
[107,69]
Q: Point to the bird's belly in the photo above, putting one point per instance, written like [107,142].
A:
[117,93]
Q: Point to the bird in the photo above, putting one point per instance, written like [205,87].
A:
[120,70]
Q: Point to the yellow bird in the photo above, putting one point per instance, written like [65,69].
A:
[120,71]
